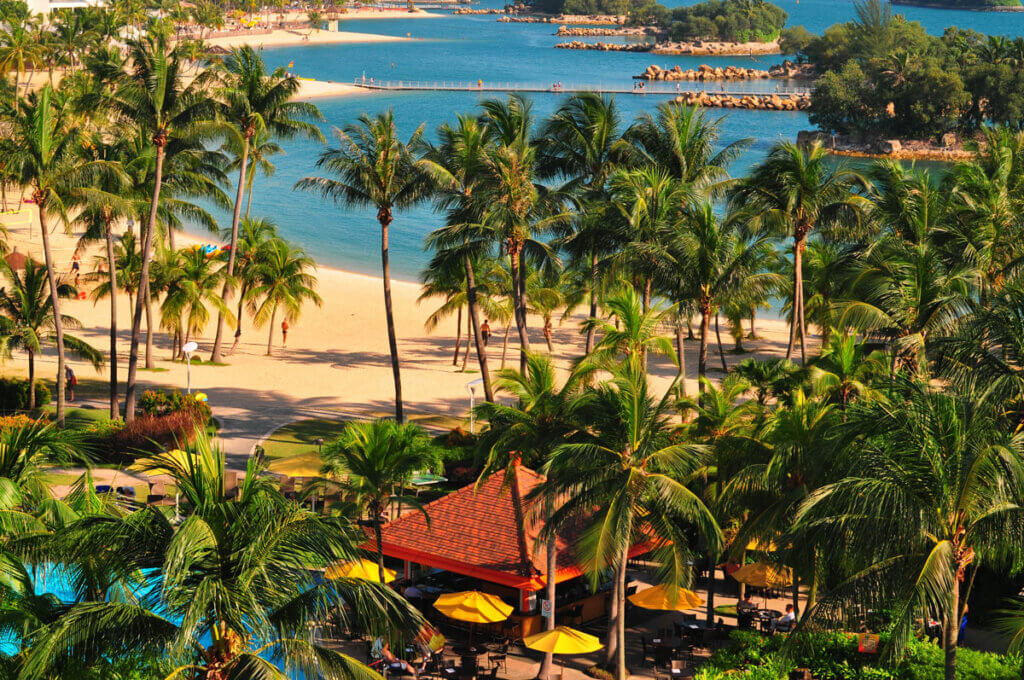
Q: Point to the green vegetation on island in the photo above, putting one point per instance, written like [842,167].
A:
[722,20]
[883,76]
[962,4]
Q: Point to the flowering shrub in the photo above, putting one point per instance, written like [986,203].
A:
[160,403]
[14,395]
[11,422]
[120,443]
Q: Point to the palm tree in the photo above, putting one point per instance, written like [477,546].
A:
[649,203]
[716,258]
[528,433]
[624,481]
[795,191]
[253,238]
[257,103]
[232,588]
[935,484]
[19,51]
[190,288]
[770,378]
[455,167]
[684,143]
[26,451]
[582,143]
[846,369]
[375,168]
[629,334]
[283,280]
[49,163]
[29,320]
[514,206]
[158,102]
[369,460]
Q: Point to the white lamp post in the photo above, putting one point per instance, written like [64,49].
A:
[187,350]
[471,388]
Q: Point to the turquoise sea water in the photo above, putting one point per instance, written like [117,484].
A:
[468,48]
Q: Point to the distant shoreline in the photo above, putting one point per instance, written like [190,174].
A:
[947,5]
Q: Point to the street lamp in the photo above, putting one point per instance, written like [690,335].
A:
[187,350]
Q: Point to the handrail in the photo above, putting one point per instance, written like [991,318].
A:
[647,87]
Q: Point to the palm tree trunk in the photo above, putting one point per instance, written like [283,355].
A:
[550,570]
[519,306]
[710,615]
[143,292]
[112,269]
[794,318]
[270,336]
[384,217]
[680,350]
[458,337]
[702,356]
[481,351]
[149,333]
[379,538]
[951,630]
[796,593]
[593,302]
[718,338]
[620,624]
[469,333]
[216,353]
[525,566]
[248,200]
[647,294]
[31,381]
[58,324]
[238,321]
[753,332]
[504,344]
[798,297]
[611,645]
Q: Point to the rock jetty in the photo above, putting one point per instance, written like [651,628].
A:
[587,32]
[761,102]
[604,47]
[949,149]
[587,19]
[467,10]
[786,70]
[706,48]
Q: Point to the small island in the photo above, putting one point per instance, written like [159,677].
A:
[971,5]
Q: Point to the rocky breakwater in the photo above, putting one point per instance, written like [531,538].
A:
[604,47]
[587,19]
[707,48]
[466,10]
[786,70]
[587,32]
[949,148]
[760,102]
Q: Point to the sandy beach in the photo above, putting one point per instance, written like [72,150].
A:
[318,89]
[295,36]
[336,362]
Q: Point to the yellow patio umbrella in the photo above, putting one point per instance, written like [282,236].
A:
[563,640]
[473,606]
[760,546]
[363,569]
[176,455]
[301,465]
[657,597]
[763,575]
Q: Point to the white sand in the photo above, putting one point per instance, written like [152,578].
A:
[337,356]
[317,89]
[287,37]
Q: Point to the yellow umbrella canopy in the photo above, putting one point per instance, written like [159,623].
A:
[301,465]
[473,606]
[148,466]
[657,597]
[563,640]
[764,575]
[363,569]
[761,546]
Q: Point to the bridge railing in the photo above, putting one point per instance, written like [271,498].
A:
[744,87]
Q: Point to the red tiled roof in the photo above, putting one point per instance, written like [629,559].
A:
[473,531]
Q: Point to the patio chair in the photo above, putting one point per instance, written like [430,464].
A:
[157,492]
[677,668]
[647,657]
[662,657]
[492,675]
[499,658]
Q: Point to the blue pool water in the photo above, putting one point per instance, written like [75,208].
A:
[467,48]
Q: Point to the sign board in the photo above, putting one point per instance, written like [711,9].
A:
[546,609]
[867,643]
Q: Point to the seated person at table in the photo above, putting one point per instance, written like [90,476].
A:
[394,663]
[746,604]
[786,621]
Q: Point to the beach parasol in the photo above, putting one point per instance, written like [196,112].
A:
[657,597]
[563,640]
[16,260]
[363,569]
[758,545]
[763,575]
[473,607]
[151,469]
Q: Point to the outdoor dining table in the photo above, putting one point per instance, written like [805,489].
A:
[765,617]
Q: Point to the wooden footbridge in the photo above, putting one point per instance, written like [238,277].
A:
[652,87]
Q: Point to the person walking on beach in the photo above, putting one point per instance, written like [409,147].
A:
[69,382]
[284,333]
[485,332]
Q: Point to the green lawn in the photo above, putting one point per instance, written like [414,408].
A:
[300,437]
[78,418]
